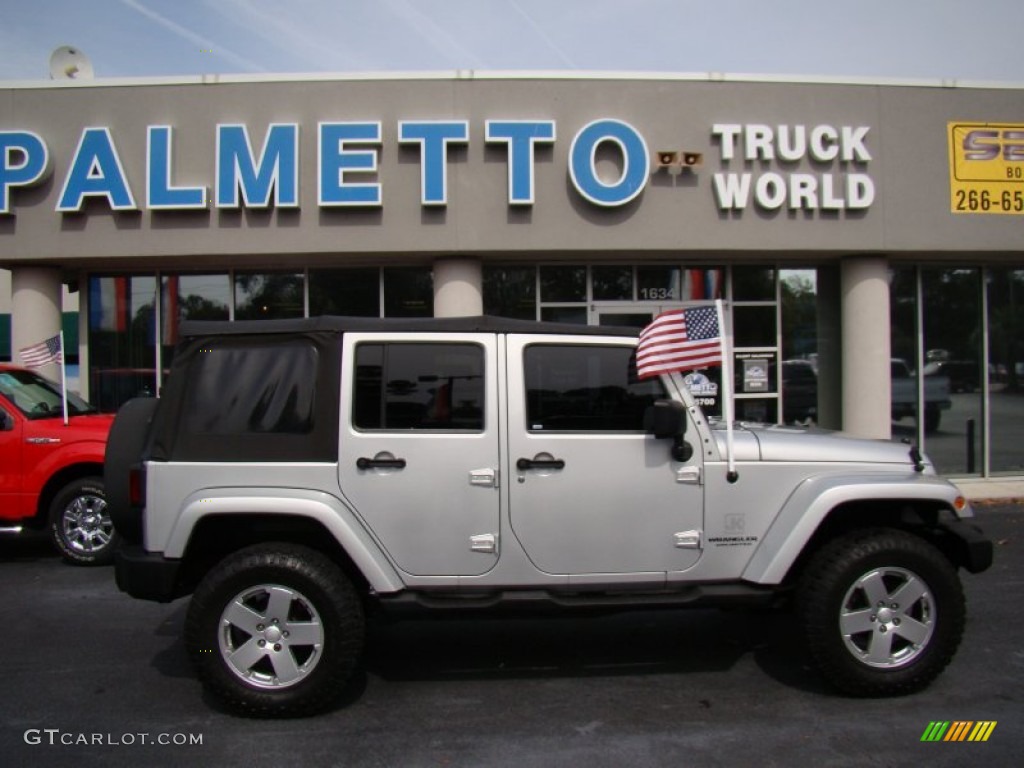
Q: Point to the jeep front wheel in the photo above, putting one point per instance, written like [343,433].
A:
[275,630]
[883,612]
[80,523]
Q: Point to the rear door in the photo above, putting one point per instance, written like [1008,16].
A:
[419,452]
[591,493]
[11,463]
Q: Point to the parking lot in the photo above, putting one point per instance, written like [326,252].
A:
[93,677]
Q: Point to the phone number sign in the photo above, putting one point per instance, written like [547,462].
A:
[986,168]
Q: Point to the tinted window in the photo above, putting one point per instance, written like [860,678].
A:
[39,398]
[419,386]
[572,388]
[253,390]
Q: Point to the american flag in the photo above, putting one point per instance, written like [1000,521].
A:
[40,354]
[679,340]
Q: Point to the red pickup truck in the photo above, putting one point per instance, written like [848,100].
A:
[51,474]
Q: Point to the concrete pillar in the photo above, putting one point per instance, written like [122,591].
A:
[458,288]
[35,310]
[867,388]
[830,348]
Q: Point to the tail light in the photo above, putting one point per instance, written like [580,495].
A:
[136,487]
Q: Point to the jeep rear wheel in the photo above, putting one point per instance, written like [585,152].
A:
[80,523]
[275,630]
[883,612]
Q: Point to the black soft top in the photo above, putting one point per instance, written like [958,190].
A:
[341,324]
[181,402]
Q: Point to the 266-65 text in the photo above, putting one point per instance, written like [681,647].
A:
[974,200]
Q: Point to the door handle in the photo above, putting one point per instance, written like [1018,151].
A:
[524,464]
[364,463]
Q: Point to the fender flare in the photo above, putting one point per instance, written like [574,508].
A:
[337,518]
[812,501]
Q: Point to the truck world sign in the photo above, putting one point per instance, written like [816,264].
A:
[245,176]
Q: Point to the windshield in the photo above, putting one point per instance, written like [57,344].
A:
[39,398]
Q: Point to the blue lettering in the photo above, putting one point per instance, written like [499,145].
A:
[277,168]
[433,136]
[635,162]
[521,136]
[96,171]
[23,161]
[336,161]
[159,192]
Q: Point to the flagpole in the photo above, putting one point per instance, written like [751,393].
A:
[63,379]
[727,411]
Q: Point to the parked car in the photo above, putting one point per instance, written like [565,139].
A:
[799,391]
[296,474]
[963,375]
[51,473]
[904,395]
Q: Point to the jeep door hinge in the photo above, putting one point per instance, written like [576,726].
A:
[688,540]
[487,478]
[484,542]
[688,476]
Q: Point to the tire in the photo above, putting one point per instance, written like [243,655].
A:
[883,612]
[275,630]
[125,447]
[80,523]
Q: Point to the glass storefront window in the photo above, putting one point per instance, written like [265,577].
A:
[703,283]
[190,297]
[122,339]
[675,284]
[563,284]
[352,292]
[657,283]
[799,367]
[511,292]
[903,313]
[753,326]
[753,283]
[268,295]
[1006,369]
[799,313]
[408,292]
[564,315]
[761,410]
[612,283]
[903,344]
[952,339]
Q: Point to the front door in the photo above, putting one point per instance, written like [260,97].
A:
[11,466]
[419,448]
[590,492]
[629,315]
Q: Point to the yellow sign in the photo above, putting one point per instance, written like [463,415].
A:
[986,168]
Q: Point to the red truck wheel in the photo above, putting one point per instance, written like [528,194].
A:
[80,523]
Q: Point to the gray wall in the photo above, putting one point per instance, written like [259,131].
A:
[909,217]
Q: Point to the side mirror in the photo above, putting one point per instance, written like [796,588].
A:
[665,419]
[6,421]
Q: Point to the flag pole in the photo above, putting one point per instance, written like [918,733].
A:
[727,411]
[63,380]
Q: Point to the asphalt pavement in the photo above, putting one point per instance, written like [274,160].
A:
[93,677]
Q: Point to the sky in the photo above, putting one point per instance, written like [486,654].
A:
[964,40]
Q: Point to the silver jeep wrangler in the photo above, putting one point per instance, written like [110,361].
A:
[297,475]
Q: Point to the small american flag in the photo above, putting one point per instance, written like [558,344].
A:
[679,340]
[40,354]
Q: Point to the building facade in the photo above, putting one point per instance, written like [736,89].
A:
[866,237]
